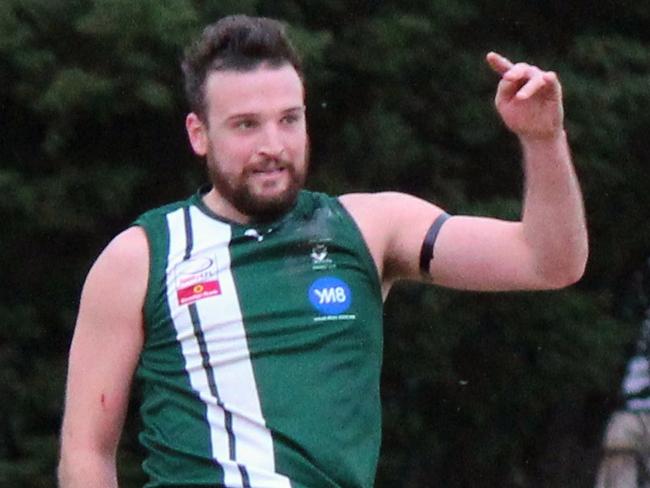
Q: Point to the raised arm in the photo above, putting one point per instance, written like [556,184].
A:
[547,248]
[105,348]
[529,101]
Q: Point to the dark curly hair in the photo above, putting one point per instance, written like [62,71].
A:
[238,43]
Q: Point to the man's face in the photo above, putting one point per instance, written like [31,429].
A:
[254,140]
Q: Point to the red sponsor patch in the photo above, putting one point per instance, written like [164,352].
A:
[198,291]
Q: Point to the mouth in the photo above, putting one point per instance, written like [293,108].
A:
[269,170]
[270,176]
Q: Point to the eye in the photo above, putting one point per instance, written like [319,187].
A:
[245,124]
[291,118]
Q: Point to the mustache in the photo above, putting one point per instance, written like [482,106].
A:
[269,164]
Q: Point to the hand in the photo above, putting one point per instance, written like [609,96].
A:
[528,99]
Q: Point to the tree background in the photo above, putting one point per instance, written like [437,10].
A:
[507,390]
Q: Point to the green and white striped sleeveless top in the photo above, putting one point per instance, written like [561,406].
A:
[262,357]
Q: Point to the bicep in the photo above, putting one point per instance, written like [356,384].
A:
[393,225]
[106,344]
[472,253]
[484,254]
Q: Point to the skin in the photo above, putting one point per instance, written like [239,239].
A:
[256,124]
[255,136]
[546,249]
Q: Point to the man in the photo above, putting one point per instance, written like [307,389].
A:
[252,311]
[626,443]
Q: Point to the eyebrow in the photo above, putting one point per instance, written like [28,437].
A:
[299,108]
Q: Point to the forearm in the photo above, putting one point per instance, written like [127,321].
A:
[553,217]
[87,470]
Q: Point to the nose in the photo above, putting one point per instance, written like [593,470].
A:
[271,144]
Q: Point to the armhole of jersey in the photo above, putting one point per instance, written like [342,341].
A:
[154,224]
[366,256]
[155,241]
[146,306]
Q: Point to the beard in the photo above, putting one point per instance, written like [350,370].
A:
[241,191]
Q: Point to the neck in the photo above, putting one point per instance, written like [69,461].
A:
[222,207]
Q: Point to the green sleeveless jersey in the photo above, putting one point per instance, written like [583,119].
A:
[262,357]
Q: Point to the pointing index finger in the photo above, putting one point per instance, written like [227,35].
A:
[498,63]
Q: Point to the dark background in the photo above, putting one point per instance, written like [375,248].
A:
[490,390]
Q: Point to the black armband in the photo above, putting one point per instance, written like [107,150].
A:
[426,253]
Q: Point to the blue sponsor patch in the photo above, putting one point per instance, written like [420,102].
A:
[330,295]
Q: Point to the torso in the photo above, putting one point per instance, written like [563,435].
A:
[263,348]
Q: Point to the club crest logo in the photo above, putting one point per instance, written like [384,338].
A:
[320,259]
[318,253]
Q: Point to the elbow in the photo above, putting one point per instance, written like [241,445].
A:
[81,461]
[67,466]
[63,475]
[566,271]
[81,468]
[65,470]
[578,265]
[568,277]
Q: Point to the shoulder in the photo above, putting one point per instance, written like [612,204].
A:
[393,225]
[124,260]
[128,246]
[383,198]
[154,214]
[117,281]
[389,206]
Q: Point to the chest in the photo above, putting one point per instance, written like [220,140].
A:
[285,282]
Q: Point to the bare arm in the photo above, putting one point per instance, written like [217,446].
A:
[546,249]
[105,348]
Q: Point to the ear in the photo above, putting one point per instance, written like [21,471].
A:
[197,132]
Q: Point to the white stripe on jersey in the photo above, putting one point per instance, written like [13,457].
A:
[638,375]
[229,358]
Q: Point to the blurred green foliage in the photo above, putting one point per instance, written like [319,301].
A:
[507,390]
